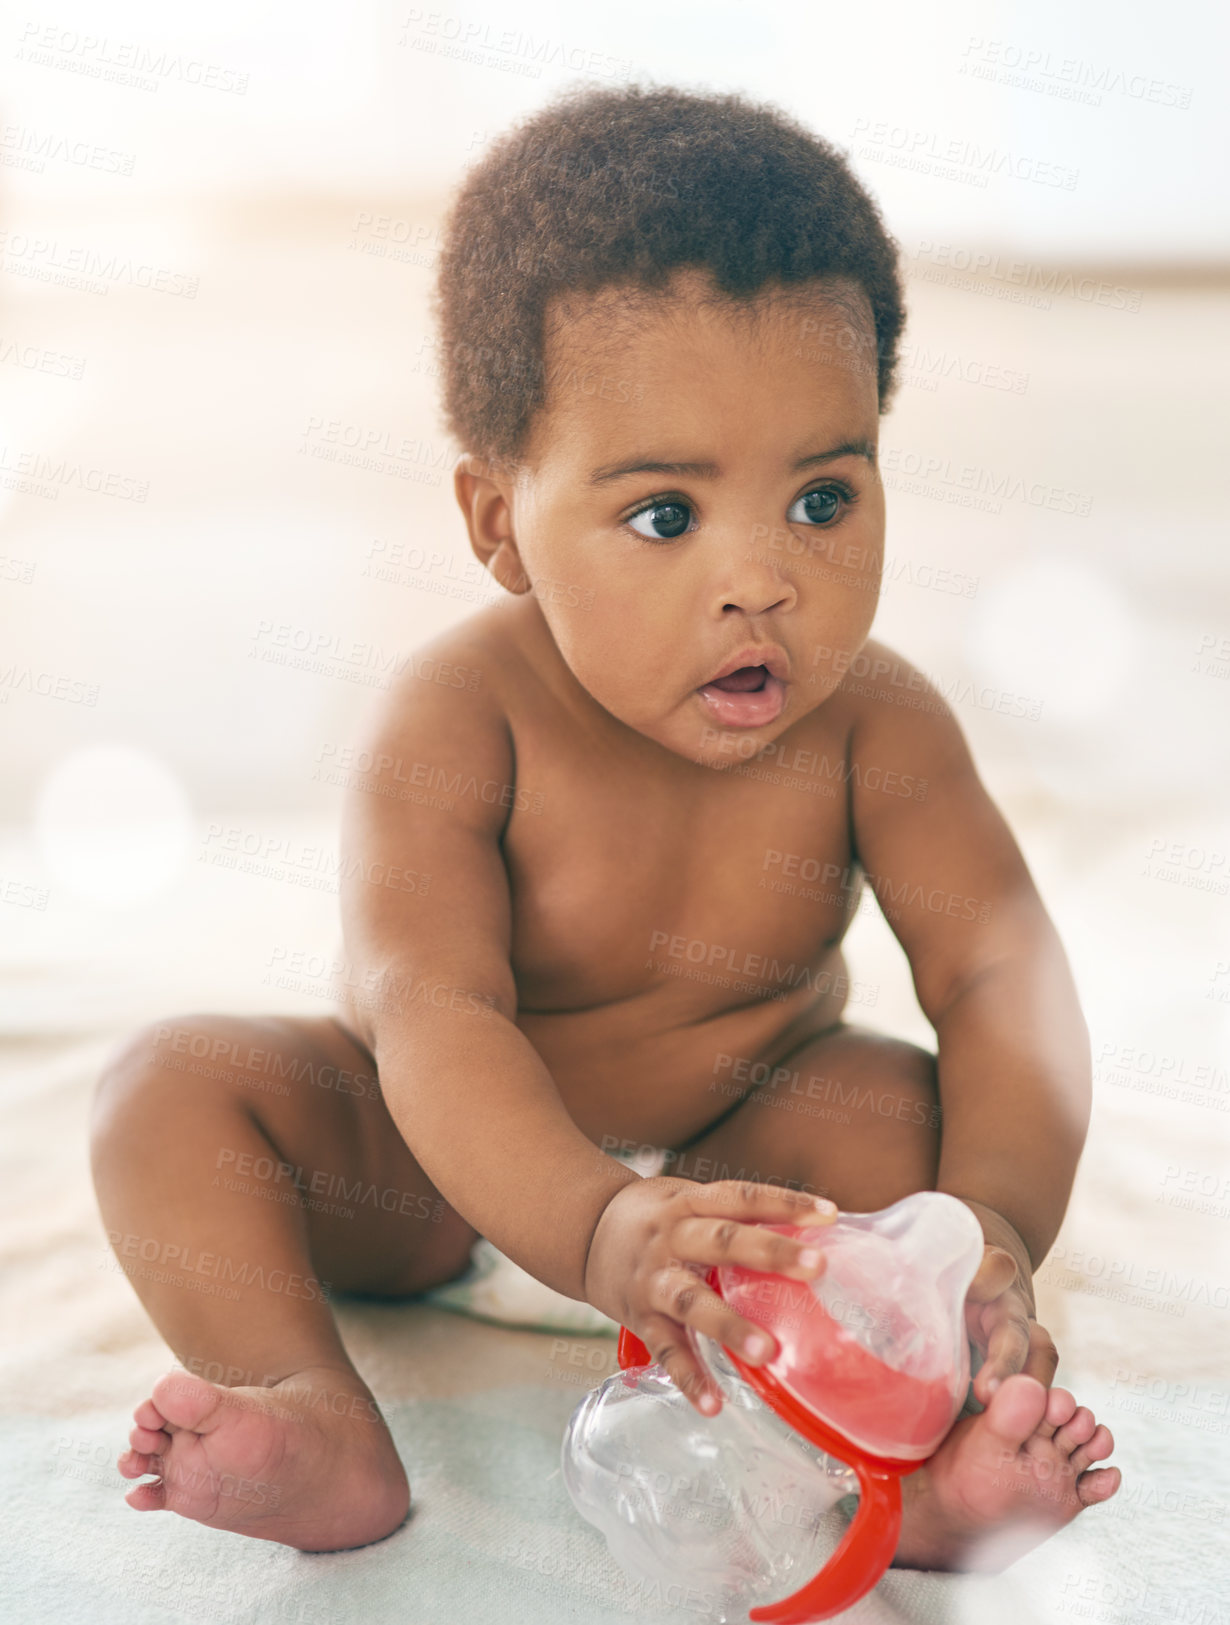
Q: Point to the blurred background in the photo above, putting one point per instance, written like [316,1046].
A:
[220,451]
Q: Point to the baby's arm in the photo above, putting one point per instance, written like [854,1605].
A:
[991,977]
[466,1089]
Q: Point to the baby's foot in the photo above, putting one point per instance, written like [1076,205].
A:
[308,1462]
[1002,1481]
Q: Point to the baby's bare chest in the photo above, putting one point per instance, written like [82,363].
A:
[731,882]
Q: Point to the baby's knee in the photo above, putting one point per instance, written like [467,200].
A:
[881,1085]
[905,1100]
[913,1086]
[891,1112]
[133,1082]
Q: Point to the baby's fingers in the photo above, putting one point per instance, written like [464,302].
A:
[996,1273]
[680,1298]
[1042,1361]
[1014,1342]
[1007,1346]
[753,1246]
[668,1346]
[754,1203]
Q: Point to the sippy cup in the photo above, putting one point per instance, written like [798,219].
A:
[871,1369]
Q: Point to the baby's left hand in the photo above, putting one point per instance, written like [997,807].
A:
[1000,1311]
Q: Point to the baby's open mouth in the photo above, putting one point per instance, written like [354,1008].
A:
[749,697]
[747,680]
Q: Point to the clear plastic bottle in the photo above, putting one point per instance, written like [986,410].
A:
[737,1504]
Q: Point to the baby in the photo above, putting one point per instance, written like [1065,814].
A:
[598,876]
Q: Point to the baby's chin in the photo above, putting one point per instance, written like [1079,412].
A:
[690,733]
[724,748]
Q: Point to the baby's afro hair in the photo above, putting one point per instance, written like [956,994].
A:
[619,187]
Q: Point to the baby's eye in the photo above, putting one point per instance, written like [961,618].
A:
[819,507]
[667,520]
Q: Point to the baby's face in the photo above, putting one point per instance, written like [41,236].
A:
[701,516]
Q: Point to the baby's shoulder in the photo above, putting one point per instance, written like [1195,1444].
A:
[893,707]
[876,671]
[478,655]
[450,692]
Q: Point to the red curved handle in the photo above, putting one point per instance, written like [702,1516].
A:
[865,1552]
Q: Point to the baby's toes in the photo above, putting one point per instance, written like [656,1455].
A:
[147,1415]
[1060,1405]
[148,1497]
[1098,1448]
[1078,1430]
[1099,1484]
[148,1441]
[136,1463]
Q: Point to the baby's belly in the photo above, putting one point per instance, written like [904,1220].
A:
[657,1068]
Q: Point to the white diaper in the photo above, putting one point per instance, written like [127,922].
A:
[648,1160]
[496,1289]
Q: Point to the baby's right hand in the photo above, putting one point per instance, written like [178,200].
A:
[653,1246]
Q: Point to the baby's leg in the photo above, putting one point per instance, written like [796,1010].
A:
[245,1168]
[854,1115]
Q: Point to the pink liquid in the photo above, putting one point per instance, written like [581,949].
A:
[887,1411]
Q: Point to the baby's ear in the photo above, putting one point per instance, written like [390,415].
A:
[505,565]
[483,489]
